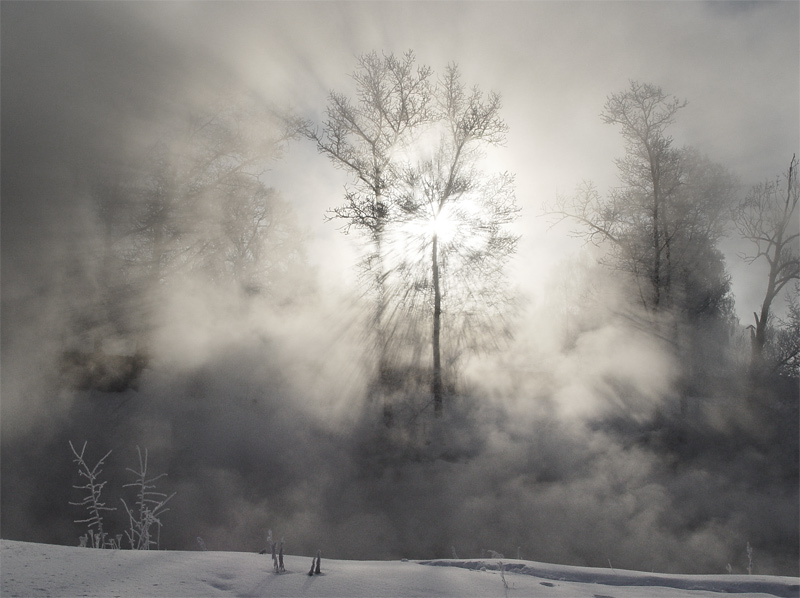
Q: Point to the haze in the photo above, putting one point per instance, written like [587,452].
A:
[259,413]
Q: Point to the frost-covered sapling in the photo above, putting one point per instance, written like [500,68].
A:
[271,544]
[96,537]
[150,505]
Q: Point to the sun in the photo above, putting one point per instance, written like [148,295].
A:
[429,224]
[451,225]
[454,232]
[443,226]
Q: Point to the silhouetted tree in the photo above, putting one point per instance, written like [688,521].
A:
[413,149]
[365,138]
[768,219]
[662,225]
[458,214]
[650,176]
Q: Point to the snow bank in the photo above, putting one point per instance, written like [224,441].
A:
[30,570]
[787,587]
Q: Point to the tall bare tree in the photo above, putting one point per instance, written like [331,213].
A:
[768,219]
[208,169]
[412,147]
[366,138]
[662,224]
[649,172]
[446,189]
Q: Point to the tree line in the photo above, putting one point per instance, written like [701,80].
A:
[435,227]
[196,206]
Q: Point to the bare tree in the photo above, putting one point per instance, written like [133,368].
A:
[206,172]
[446,189]
[201,203]
[197,203]
[783,344]
[768,219]
[412,148]
[663,223]
[649,172]
[366,138]
[148,508]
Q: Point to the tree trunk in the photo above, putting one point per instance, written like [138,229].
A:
[388,412]
[668,269]
[656,276]
[437,323]
[760,337]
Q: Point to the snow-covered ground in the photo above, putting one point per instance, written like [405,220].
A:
[28,570]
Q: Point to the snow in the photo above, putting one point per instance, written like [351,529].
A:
[28,570]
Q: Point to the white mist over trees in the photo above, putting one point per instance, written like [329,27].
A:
[661,228]
[435,224]
[365,138]
[171,278]
[664,222]
[197,206]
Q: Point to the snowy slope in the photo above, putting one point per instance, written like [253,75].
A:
[28,570]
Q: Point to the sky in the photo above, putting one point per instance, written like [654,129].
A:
[87,87]
[84,83]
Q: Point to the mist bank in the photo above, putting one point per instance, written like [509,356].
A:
[140,159]
[564,448]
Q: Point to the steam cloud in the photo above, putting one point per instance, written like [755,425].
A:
[563,447]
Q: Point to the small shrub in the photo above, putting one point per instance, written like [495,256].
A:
[96,537]
[148,508]
[150,505]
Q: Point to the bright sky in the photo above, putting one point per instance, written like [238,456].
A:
[80,78]
[737,64]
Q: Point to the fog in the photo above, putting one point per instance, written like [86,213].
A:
[572,443]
